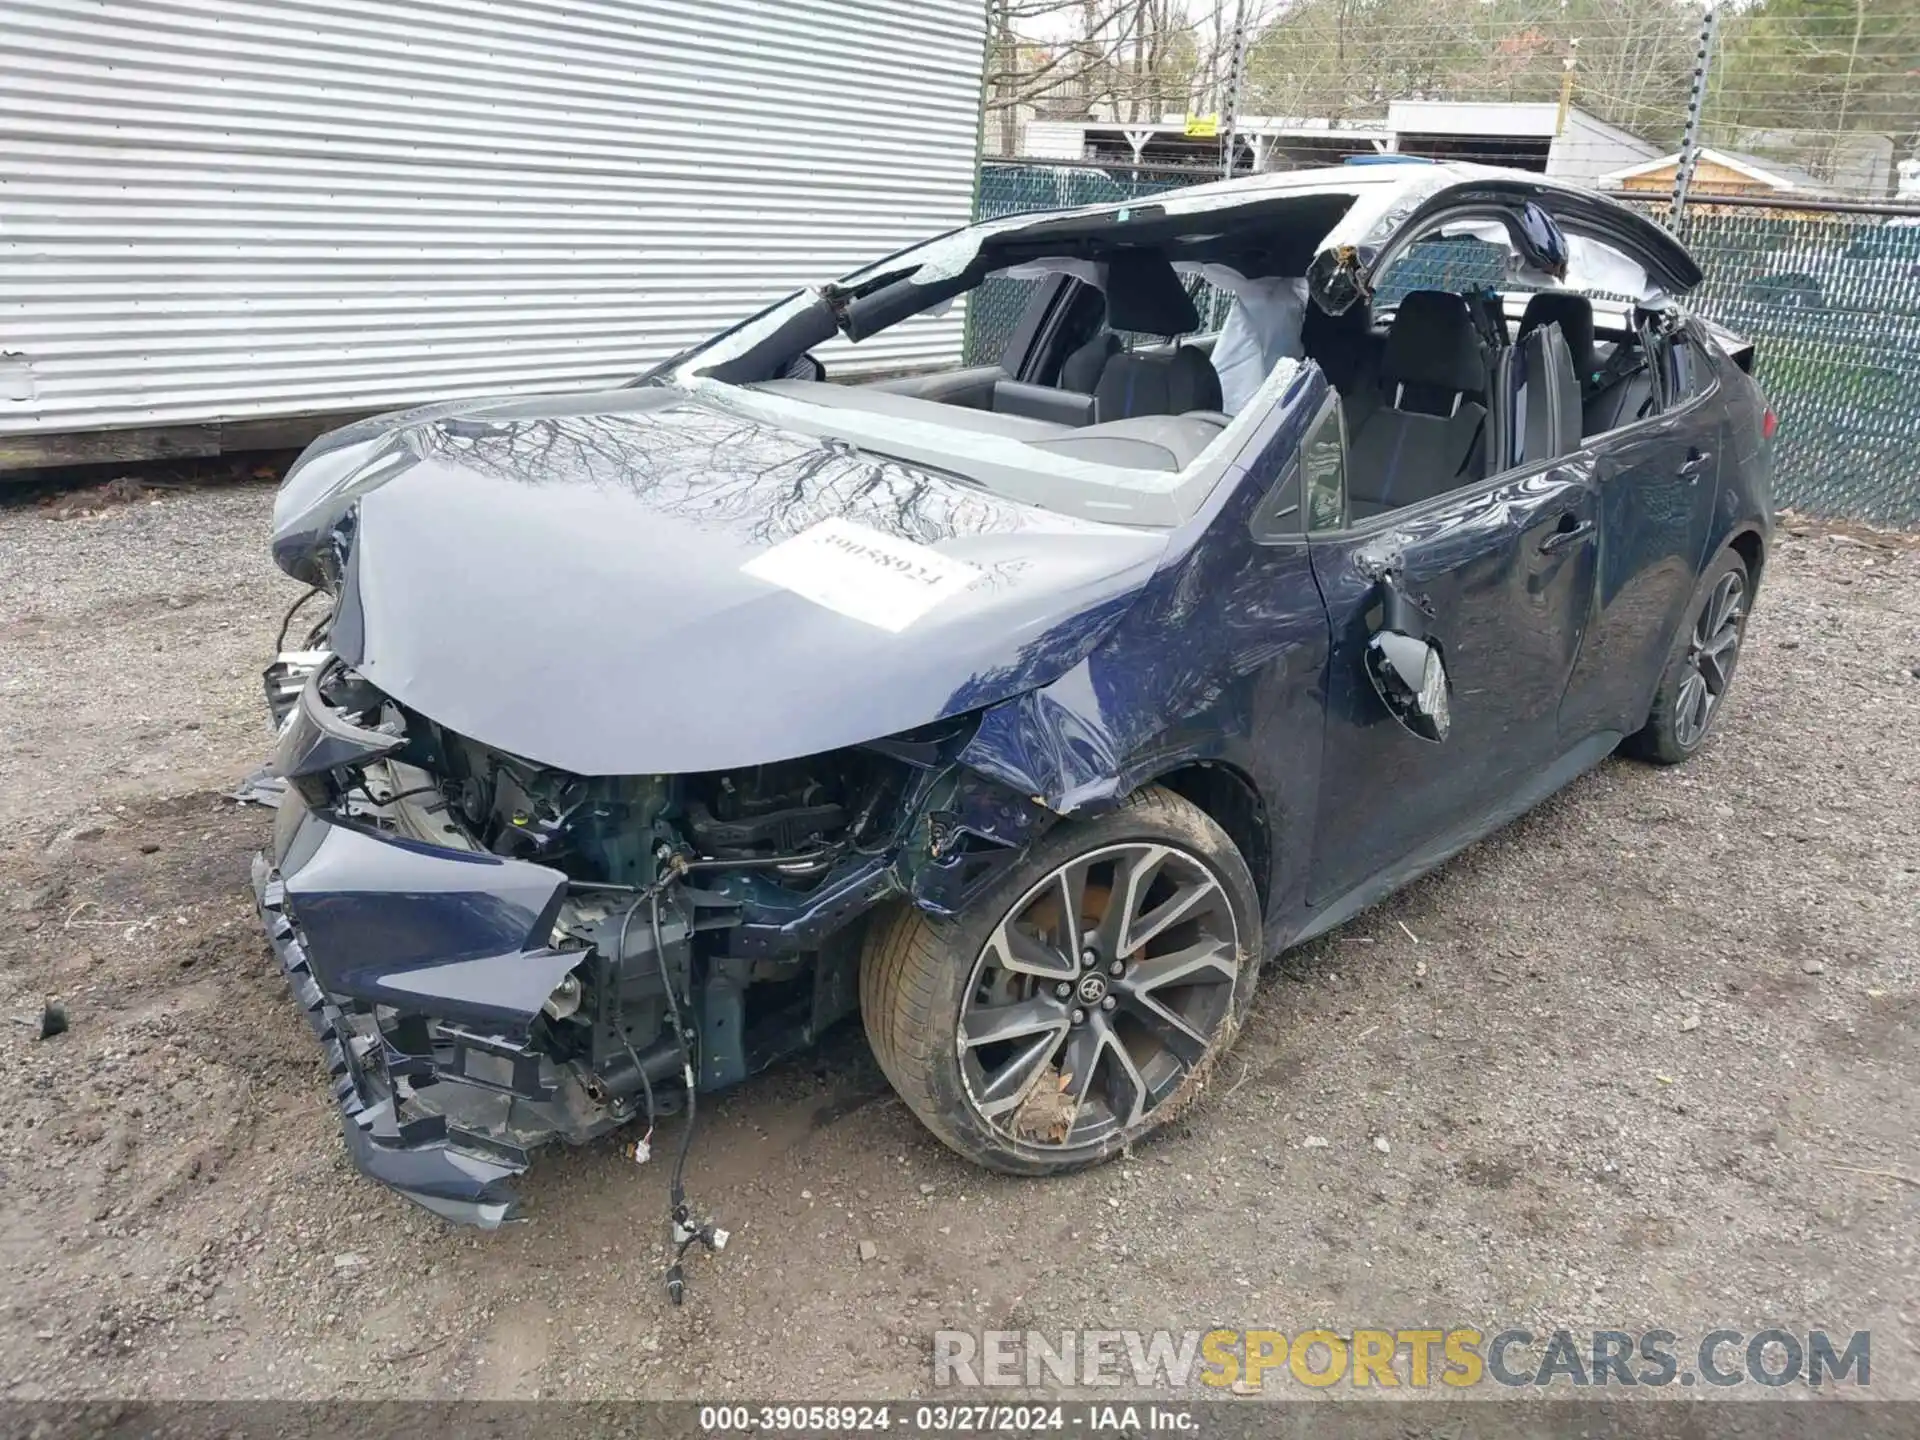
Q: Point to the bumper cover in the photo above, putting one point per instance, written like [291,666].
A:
[420,974]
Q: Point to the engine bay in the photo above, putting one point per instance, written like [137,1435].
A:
[506,954]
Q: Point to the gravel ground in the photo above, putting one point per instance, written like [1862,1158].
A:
[1645,1059]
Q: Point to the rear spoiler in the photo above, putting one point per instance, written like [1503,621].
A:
[1738,348]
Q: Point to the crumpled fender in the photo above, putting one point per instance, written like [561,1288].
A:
[1222,631]
[1052,744]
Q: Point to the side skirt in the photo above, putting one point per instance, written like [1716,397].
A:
[1370,892]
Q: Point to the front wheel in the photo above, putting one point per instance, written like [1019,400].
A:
[1082,1002]
[1693,688]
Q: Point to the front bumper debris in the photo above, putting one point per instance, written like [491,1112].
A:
[424,1159]
[421,973]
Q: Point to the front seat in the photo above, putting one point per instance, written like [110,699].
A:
[1145,296]
[1348,354]
[1614,394]
[1536,401]
[1574,315]
[1426,435]
[1080,371]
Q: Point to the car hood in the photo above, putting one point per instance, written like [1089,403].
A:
[646,583]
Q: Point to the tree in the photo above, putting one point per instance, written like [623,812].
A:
[1130,59]
[1810,80]
[1345,59]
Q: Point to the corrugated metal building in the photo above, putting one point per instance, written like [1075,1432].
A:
[229,210]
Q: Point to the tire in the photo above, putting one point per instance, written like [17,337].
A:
[1677,727]
[933,990]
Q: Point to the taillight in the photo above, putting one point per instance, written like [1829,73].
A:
[1769,424]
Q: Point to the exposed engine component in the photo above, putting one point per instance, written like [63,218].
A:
[507,954]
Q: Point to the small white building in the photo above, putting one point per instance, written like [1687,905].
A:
[1715,172]
[218,214]
[1573,146]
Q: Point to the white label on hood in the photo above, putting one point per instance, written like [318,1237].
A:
[858,572]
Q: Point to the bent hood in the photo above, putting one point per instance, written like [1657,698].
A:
[642,583]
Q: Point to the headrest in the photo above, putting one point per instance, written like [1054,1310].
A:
[1144,294]
[1573,314]
[1433,343]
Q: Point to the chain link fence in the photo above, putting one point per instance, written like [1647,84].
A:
[1829,297]
[1009,189]
[1831,301]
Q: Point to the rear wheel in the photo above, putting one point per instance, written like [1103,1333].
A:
[1079,1005]
[1694,686]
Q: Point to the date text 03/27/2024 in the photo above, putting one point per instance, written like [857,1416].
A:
[947,1419]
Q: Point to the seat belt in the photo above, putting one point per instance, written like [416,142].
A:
[1623,364]
[1491,335]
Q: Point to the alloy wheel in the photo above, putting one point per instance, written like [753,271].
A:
[1711,654]
[1097,995]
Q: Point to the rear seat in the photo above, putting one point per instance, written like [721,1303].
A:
[1614,394]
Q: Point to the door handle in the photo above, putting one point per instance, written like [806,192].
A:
[1560,539]
[1696,464]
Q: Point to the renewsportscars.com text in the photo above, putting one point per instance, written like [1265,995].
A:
[1457,1357]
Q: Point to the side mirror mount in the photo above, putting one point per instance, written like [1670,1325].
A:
[1335,280]
[1406,666]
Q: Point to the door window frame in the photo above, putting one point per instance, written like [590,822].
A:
[1665,406]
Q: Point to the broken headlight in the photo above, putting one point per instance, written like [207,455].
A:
[341,723]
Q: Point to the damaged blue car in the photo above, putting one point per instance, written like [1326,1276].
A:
[1309,527]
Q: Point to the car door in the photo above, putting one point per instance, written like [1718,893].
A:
[1503,570]
[1657,482]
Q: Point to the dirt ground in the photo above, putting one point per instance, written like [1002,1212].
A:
[1646,1059]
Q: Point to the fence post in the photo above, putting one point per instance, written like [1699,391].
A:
[1236,73]
[1696,104]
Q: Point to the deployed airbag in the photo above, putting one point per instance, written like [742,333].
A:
[1262,329]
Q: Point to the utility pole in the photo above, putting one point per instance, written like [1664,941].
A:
[1696,104]
[1569,65]
[1236,74]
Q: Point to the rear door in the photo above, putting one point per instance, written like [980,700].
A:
[1504,570]
[1658,480]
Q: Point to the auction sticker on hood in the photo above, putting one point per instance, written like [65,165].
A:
[858,572]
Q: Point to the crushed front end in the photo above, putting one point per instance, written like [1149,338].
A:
[497,955]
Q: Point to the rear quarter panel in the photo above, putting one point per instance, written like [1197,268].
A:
[1744,503]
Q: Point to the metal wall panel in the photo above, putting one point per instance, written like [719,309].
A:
[234,209]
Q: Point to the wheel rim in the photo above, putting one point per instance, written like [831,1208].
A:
[1097,995]
[1712,652]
